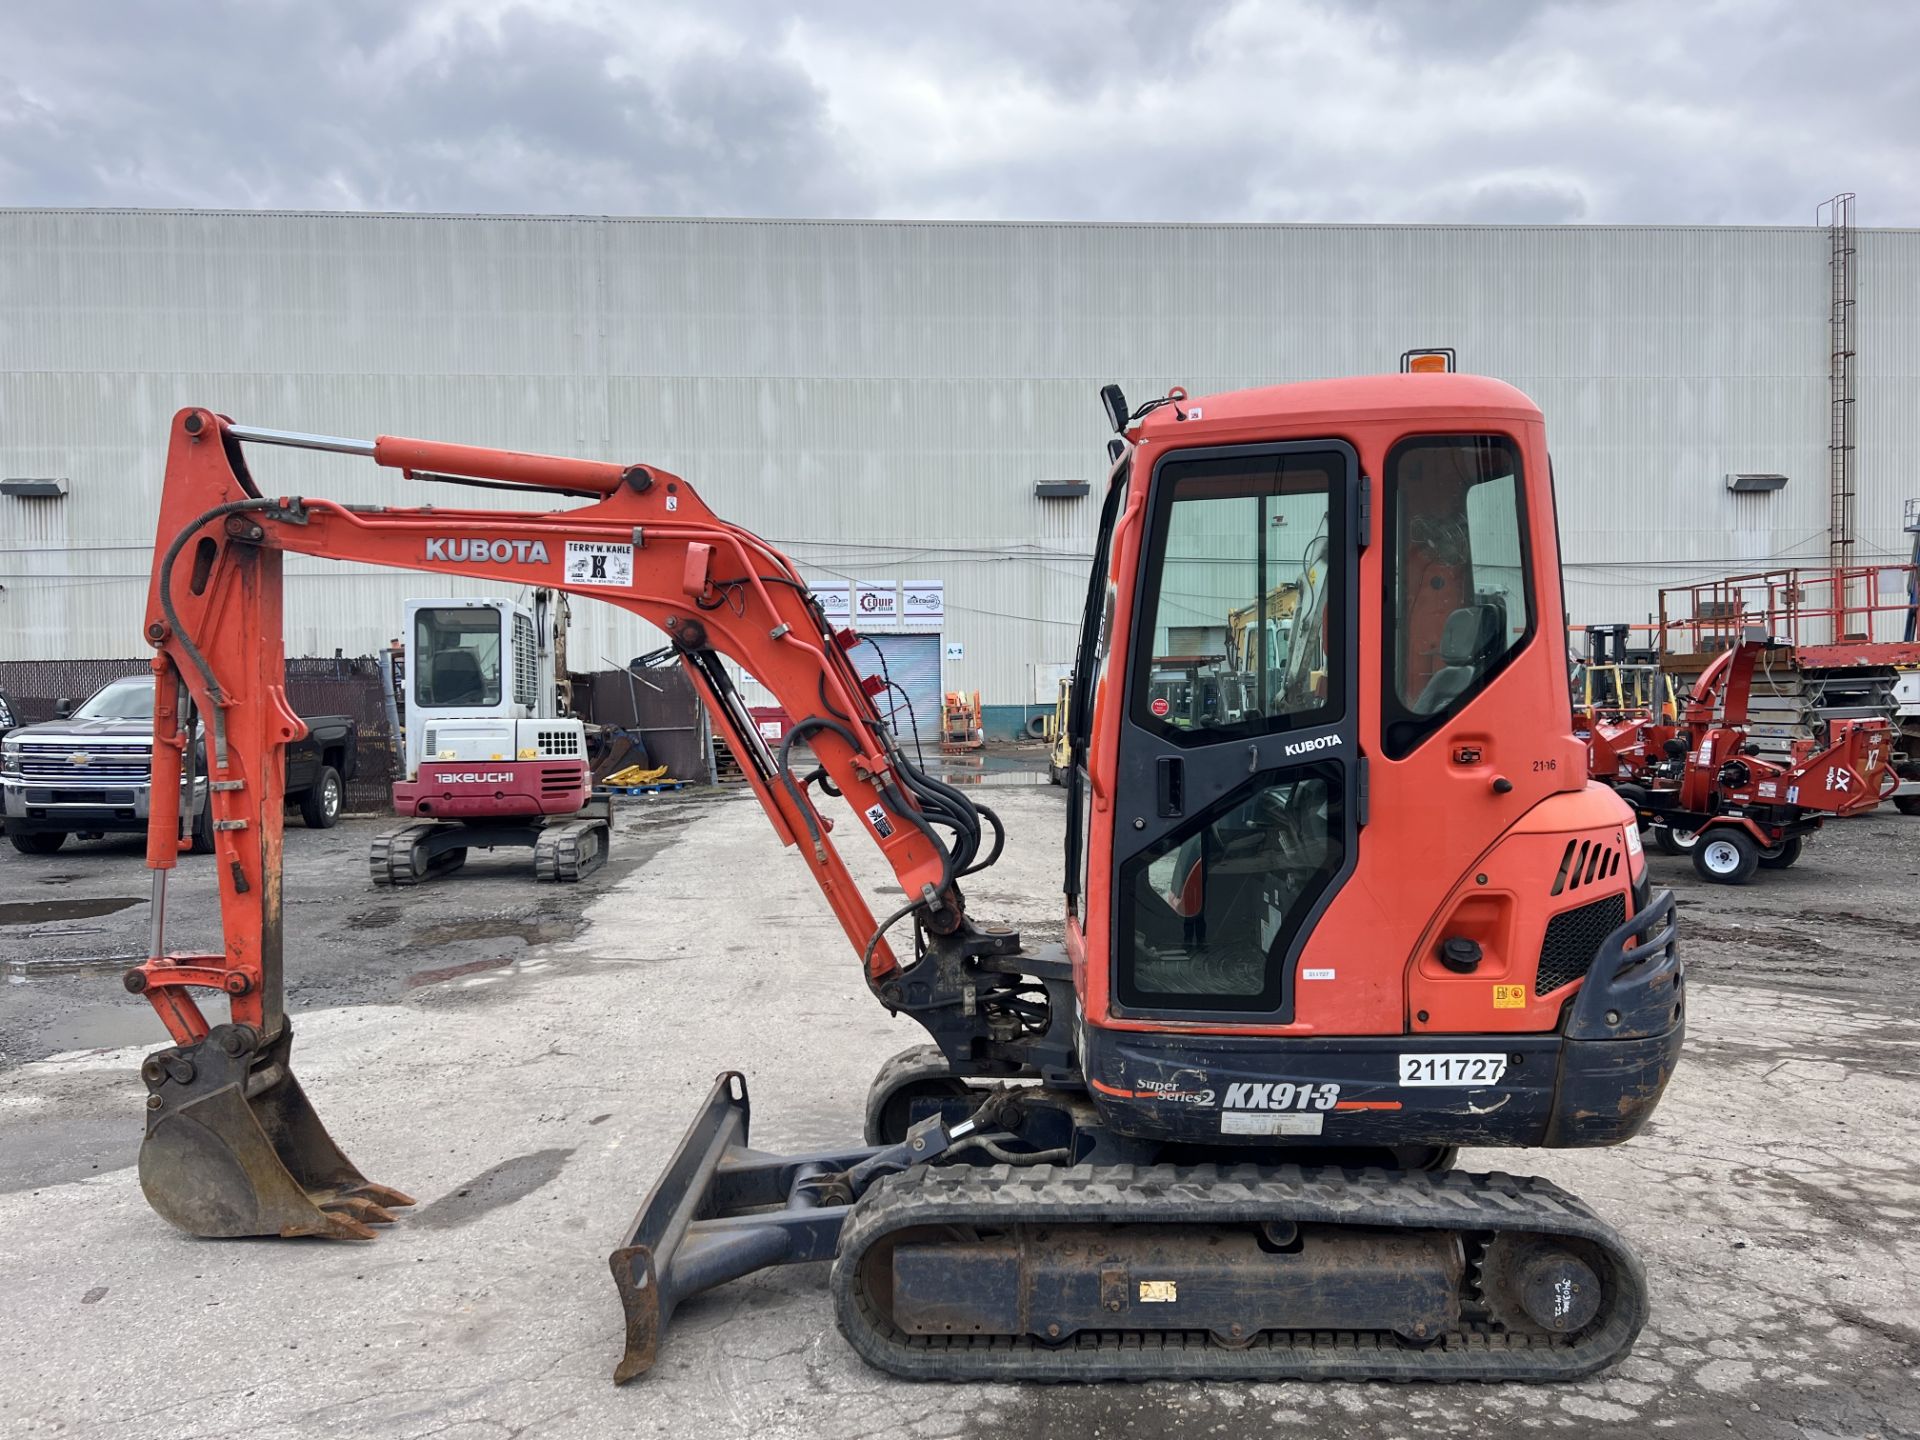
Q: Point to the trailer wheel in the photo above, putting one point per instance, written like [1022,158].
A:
[1726,857]
[1670,841]
[320,802]
[1781,855]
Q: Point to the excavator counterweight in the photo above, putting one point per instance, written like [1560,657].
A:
[1338,899]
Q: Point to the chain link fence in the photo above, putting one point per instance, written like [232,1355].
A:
[314,687]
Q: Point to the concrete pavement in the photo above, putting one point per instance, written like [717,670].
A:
[529,1105]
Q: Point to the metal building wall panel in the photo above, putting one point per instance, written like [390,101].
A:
[881,397]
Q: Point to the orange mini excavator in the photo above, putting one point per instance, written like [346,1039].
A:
[1313,943]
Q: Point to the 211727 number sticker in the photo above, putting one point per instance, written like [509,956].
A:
[1452,1069]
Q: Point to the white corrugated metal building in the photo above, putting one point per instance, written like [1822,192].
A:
[882,398]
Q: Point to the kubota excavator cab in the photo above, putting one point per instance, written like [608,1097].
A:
[1315,908]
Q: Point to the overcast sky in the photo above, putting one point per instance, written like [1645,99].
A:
[1374,110]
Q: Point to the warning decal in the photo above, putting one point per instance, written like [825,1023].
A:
[1509,997]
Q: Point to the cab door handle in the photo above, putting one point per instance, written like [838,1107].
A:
[1170,785]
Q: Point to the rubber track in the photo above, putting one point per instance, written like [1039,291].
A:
[1473,1205]
[390,861]
[559,854]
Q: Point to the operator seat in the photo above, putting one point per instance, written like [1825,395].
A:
[457,680]
[1470,634]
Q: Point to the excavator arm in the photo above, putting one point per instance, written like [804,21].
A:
[232,1145]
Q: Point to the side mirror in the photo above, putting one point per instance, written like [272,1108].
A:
[1115,402]
[62,708]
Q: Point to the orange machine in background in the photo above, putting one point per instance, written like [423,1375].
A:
[960,727]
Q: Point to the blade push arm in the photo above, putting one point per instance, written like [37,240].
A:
[647,544]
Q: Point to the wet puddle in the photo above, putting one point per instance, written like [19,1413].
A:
[42,912]
[539,930]
[18,970]
[454,972]
[103,1027]
[997,779]
[995,770]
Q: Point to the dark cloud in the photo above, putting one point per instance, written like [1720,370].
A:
[1389,110]
[438,107]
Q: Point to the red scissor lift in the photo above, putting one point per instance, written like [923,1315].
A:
[1852,637]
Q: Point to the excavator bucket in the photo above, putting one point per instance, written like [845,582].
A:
[234,1148]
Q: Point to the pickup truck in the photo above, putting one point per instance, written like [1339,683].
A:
[86,773]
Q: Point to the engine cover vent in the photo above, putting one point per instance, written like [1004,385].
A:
[1586,862]
[1573,939]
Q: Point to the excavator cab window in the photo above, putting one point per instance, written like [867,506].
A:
[1209,905]
[456,656]
[1228,533]
[1458,578]
[1089,666]
[1235,790]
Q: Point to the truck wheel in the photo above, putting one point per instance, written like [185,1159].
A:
[320,804]
[1670,841]
[1726,856]
[1781,855]
[202,833]
[40,842]
[1907,804]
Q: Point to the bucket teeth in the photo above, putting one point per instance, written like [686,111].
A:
[331,1225]
[357,1207]
[384,1195]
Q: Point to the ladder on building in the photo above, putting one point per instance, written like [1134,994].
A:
[1849,605]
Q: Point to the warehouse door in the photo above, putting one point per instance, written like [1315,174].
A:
[913,664]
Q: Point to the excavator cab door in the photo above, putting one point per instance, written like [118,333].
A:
[1234,826]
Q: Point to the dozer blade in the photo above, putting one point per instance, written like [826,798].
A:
[718,1212]
[233,1146]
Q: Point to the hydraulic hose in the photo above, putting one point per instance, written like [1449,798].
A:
[167,609]
[891,797]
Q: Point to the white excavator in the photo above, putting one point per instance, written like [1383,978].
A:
[492,757]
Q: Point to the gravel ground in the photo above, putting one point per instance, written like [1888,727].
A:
[522,1059]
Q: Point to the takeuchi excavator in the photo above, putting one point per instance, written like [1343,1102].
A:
[1310,948]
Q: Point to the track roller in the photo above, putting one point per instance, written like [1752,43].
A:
[413,853]
[570,851]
